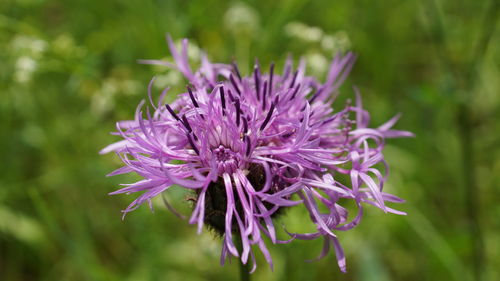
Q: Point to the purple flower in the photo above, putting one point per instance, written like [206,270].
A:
[245,145]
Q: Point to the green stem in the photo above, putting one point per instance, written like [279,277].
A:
[244,268]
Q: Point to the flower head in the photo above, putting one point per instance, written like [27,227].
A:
[246,144]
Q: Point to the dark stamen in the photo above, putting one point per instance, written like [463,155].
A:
[315,95]
[257,64]
[230,94]
[235,66]
[247,141]
[288,68]
[257,81]
[172,112]
[295,92]
[195,103]
[277,100]
[192,144]
[222,100]
[293,79]
[231,78]
[268,117]
[237,112]
[271,72]
[186,123]
[245,125]
[329,119]
[264,94]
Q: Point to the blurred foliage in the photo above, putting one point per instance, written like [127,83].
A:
[68,71]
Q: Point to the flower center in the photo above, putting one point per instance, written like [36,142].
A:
[227,160]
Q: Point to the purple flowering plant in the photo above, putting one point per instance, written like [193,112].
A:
[249,147]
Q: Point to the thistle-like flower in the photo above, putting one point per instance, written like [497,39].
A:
[245,145]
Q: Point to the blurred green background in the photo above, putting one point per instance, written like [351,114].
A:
[68,71]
